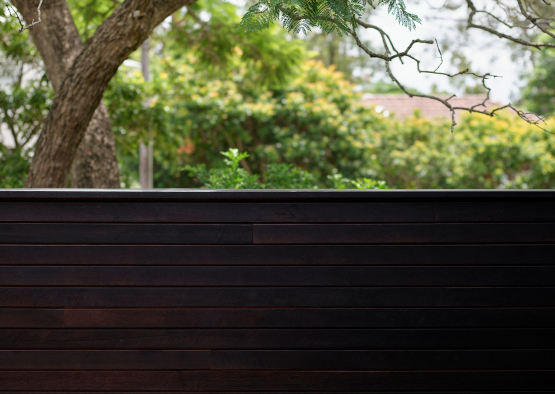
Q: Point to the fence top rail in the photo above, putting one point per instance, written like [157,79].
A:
[208,195]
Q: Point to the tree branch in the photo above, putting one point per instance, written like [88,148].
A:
[471,24]
[387,58]
[81,91]
[533,20]
[15,14]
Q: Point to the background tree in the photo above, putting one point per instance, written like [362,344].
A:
[82,88]
[539,93]
[58,42]
[531,18]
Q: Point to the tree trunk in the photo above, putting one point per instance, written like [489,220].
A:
[82,89]
[58,41]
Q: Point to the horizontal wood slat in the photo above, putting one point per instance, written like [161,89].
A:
[277,276]
[288,195]
[403,233]
[280,392]
[537,211]
[277,296]
[277,292]
[191,212]
[277,318]
[105,360]
[307,360]
[276,380]
[278,255]
[384,360]
[71,233]
[31,317]
[322,338]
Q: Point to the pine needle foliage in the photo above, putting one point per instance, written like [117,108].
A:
[300,16]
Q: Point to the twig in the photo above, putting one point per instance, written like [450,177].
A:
[387,58]
[14,14]
[471,24]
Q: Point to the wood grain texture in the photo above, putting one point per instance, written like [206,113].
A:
[245,339]
[308,318]
[253,360]
[494,211]
[403,233]
[275,195]
[68,360]
[280,392]
[275,380]
[382,360]
[31,317]
[72,233]
[191,212]
[277,276]
[322,297]
[243,255]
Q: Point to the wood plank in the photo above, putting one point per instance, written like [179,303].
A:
[275,380]
[31,317]
[91,233]
[216,212]
[277,255]
[277,276]
[302,360]
[377,360]
[537,211]
[402,233]
[51,297]
[104,360]
[322,338]
[280,392]
[230,195]
[309,318]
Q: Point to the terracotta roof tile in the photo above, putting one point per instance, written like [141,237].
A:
[403,105]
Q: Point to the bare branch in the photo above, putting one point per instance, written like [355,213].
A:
[471,24]
[14,14]
[533,20]
[387,58]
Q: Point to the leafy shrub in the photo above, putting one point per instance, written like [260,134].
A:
[482,153]
[278,176]
[14,165]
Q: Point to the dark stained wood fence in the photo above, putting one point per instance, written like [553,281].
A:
[277,291]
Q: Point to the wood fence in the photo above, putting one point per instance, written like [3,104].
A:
[277,291]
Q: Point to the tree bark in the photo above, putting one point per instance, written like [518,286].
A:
[58,41]
[82,89]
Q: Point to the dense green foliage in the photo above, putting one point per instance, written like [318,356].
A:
[14,165]
[23,106]
[316,124]
[482,153]
[215,89]
[539,92]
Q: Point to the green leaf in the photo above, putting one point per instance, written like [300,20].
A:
[329,15]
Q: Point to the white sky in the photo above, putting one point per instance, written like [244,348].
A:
[486,53]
